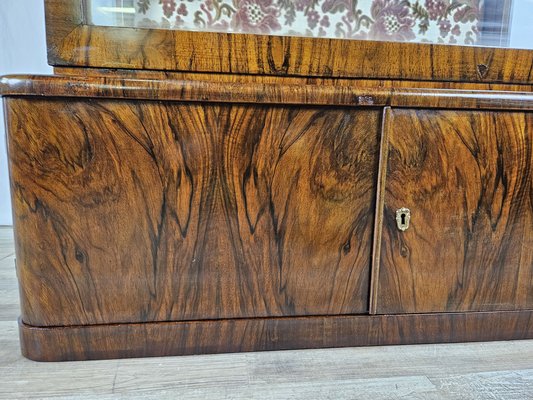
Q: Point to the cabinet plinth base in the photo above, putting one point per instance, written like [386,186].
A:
[259,334]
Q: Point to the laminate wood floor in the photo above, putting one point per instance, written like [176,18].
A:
[480,371]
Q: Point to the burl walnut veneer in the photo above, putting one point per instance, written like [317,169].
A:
[183,192]
[179,217]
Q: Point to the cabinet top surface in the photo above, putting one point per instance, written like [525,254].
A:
[351,94]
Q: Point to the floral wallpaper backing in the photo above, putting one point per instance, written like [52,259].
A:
[437,21]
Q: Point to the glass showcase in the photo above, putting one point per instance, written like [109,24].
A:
[498,23]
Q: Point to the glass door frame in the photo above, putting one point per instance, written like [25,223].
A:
[72,42]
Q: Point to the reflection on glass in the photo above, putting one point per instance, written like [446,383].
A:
[465,22]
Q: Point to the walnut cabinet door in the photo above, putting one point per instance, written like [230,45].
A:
[141,211]
[457,217]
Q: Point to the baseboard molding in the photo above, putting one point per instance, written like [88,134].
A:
[259,334]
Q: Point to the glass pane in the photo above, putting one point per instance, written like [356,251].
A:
[501,23]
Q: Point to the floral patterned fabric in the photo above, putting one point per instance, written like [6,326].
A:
[438,21]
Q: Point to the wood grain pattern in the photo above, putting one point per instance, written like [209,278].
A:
[264,93]
[188,216]
[62,17]
[434,372]
[258,334]
[151,211]
[466,177]
[174,50]
[285,80]
[378,215]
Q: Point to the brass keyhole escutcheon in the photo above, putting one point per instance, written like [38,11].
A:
[403,217]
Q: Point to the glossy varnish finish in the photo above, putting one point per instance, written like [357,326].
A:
[161,211]
[466,177]
[270,92]
[227,192]
[164,216]
[259,334]
[356,83]
[71,42]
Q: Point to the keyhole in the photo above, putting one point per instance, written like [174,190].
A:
[403,215]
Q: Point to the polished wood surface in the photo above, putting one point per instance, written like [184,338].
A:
[466,177]
[495,370]
[77,72]
[365,95]
[258,334]
[158,213]
[149,211]
[190,192]
[72,42]
[62,17]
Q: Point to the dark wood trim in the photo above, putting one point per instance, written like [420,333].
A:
[266,93]
[73,43]
[259,334]
[378,216]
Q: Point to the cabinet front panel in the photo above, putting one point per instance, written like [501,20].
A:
[152,211]
[466,178]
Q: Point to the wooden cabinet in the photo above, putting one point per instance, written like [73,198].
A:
[179,192]
[159,217]
[466,178]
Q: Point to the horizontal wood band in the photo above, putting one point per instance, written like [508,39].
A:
[259,334]
[218,52]
[205,91]
[289,80]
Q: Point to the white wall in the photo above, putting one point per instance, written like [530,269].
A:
[22,50]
